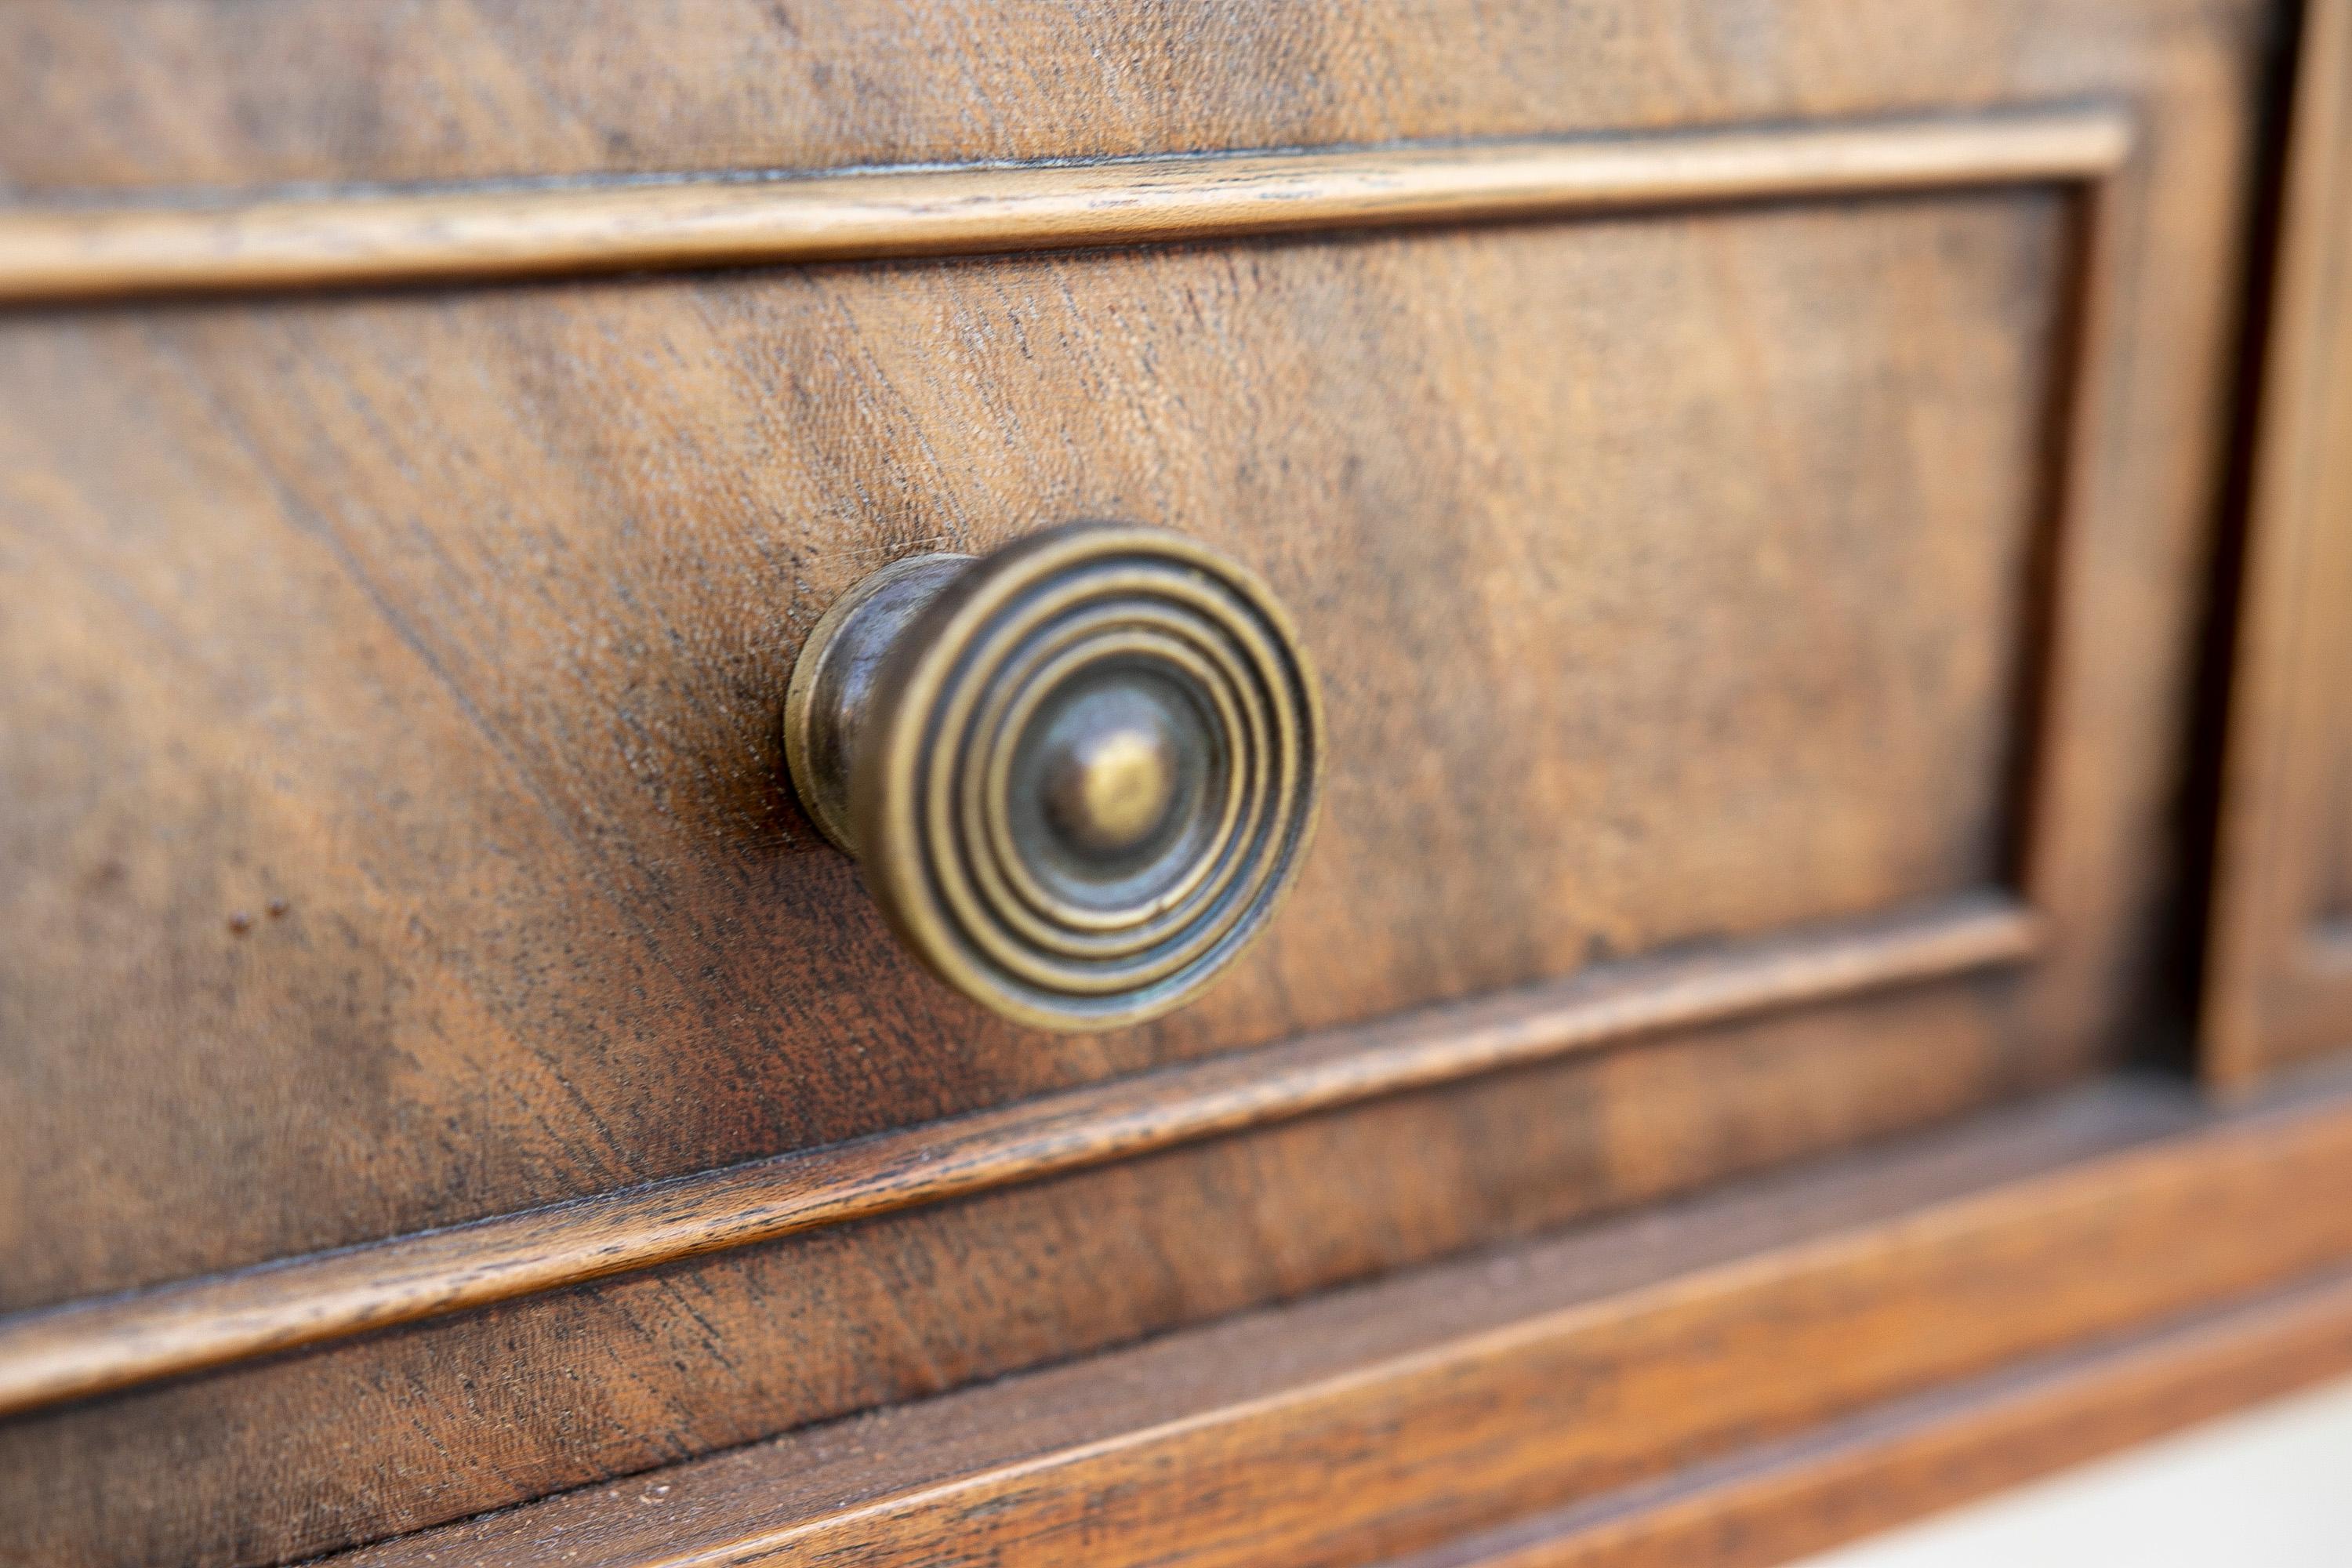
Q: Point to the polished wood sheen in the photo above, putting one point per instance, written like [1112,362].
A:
[2280,946]
[1889,1466]
[1744,474]
[1387,1420]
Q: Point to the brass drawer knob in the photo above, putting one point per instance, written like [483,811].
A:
[1076,774]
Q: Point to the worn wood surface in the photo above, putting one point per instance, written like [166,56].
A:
[392,828]
[2280,986]
[1387,1419]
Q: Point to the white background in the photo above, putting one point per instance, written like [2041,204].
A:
[2268,1488]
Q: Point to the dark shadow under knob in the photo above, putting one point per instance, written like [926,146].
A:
[1076,774]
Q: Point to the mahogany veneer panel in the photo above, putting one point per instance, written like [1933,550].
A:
[1765,573]
[1670,578]
[389,578]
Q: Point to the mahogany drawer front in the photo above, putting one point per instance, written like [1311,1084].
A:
[1754,630]
[459,623]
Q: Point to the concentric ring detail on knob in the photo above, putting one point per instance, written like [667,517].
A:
[1089,772]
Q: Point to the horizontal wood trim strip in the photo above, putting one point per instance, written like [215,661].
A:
[59,254]
[94,1347]
[1891,1466]
[1265,1452]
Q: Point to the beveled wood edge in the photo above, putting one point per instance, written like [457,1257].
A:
[2259,943]
[1776,1355]
[1890,1466]
[98,1346]
[370,237]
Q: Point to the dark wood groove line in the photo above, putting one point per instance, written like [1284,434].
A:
[402,236]
[93,1347]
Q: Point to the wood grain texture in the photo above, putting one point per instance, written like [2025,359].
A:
[101,1346]
[464,633]
[2280,960]
[176,93]
[355,1439]
[1388,1419]
[390,822]
[1889,1466]
[374,238]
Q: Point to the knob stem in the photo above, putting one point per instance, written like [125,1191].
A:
[838,675]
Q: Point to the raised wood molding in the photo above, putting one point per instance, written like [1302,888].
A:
[2279,961]
[411,236]
[94,1347]
[1890,1464]
[1817,1353]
